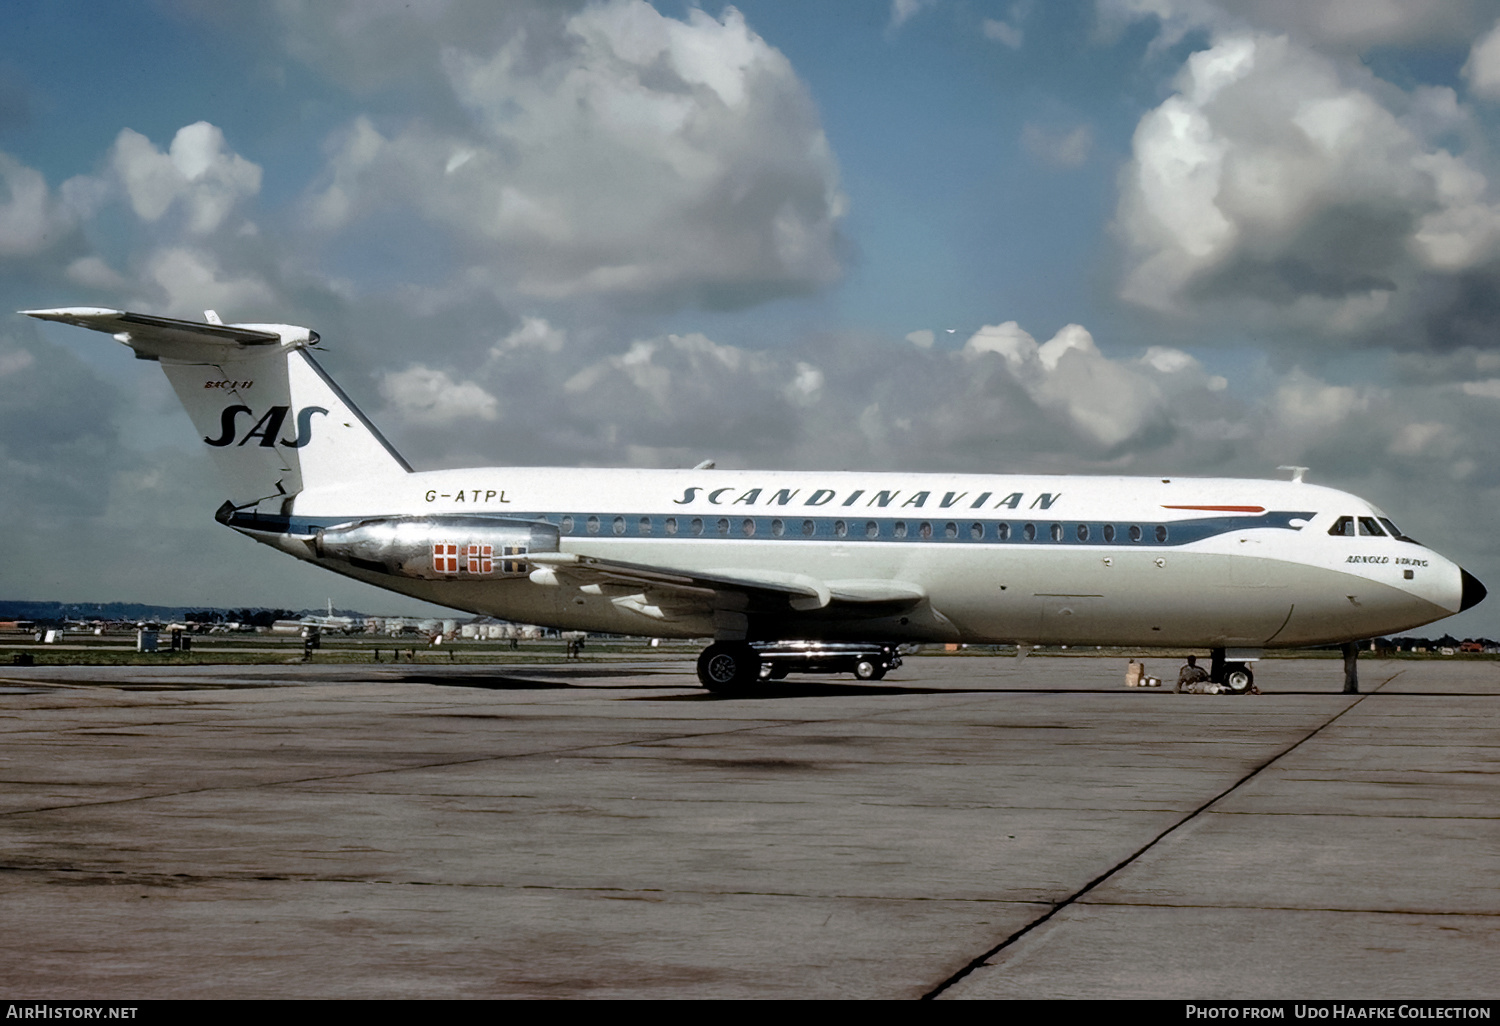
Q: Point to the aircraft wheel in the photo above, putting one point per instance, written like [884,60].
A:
[728,668]
[867,669]
[1238,678]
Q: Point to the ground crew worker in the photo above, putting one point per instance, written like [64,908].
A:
[1190,674]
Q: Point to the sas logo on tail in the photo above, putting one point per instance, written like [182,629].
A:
[267,428]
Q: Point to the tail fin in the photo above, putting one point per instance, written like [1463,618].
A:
[274,420]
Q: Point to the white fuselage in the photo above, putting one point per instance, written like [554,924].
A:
[775,555]
[1042,560]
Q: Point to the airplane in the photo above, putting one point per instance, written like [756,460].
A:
[820,572]
[323,624]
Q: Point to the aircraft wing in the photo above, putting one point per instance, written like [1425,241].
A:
[800,592]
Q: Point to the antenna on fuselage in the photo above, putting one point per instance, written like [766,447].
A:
[705,465]
[1297,473]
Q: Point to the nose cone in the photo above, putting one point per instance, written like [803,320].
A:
[1474,592]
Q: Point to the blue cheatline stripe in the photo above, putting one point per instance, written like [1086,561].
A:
[900,530]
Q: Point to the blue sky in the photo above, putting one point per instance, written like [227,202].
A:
[782,234]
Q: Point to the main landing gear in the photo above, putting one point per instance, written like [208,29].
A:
[1238,678]
[734,667]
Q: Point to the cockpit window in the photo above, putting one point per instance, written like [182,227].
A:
[1396,531]
[1368,526]
[1343,526]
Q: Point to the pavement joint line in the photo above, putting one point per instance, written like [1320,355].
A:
[1077,895]
[1292,908]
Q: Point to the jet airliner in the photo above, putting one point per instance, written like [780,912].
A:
[788,570]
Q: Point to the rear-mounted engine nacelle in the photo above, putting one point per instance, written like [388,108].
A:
[437,548]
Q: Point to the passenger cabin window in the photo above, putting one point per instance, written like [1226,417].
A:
[1368,527]
[1343,526]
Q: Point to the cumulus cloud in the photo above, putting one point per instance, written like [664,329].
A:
[534,333]
[1482,70]
[613,153]
[198,175]
[1004,401]
[183,281]
[1349,26]
[1356,25]
[1293,188]
[32,219]
[430,398]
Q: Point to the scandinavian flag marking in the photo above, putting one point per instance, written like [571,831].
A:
[481,559]
[445,557]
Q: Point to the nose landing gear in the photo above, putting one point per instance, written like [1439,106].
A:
[1236,678]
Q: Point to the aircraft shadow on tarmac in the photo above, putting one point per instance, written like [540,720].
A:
[581,677]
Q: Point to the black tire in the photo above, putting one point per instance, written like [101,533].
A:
[729,668]
[868,669]
[1238,678]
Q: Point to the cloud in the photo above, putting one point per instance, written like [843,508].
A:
[430,398]
[1482,70]
[534,333]
[183,281]
[54,413]
[1296,191]
[615,153]
[1002,401]
[903,11]
[1058,147]
[32,220]
[197,175]
[1003,32]
[1346,26]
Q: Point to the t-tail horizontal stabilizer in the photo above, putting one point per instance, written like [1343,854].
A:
[273,419]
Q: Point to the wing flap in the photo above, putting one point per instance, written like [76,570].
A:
[704,584]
